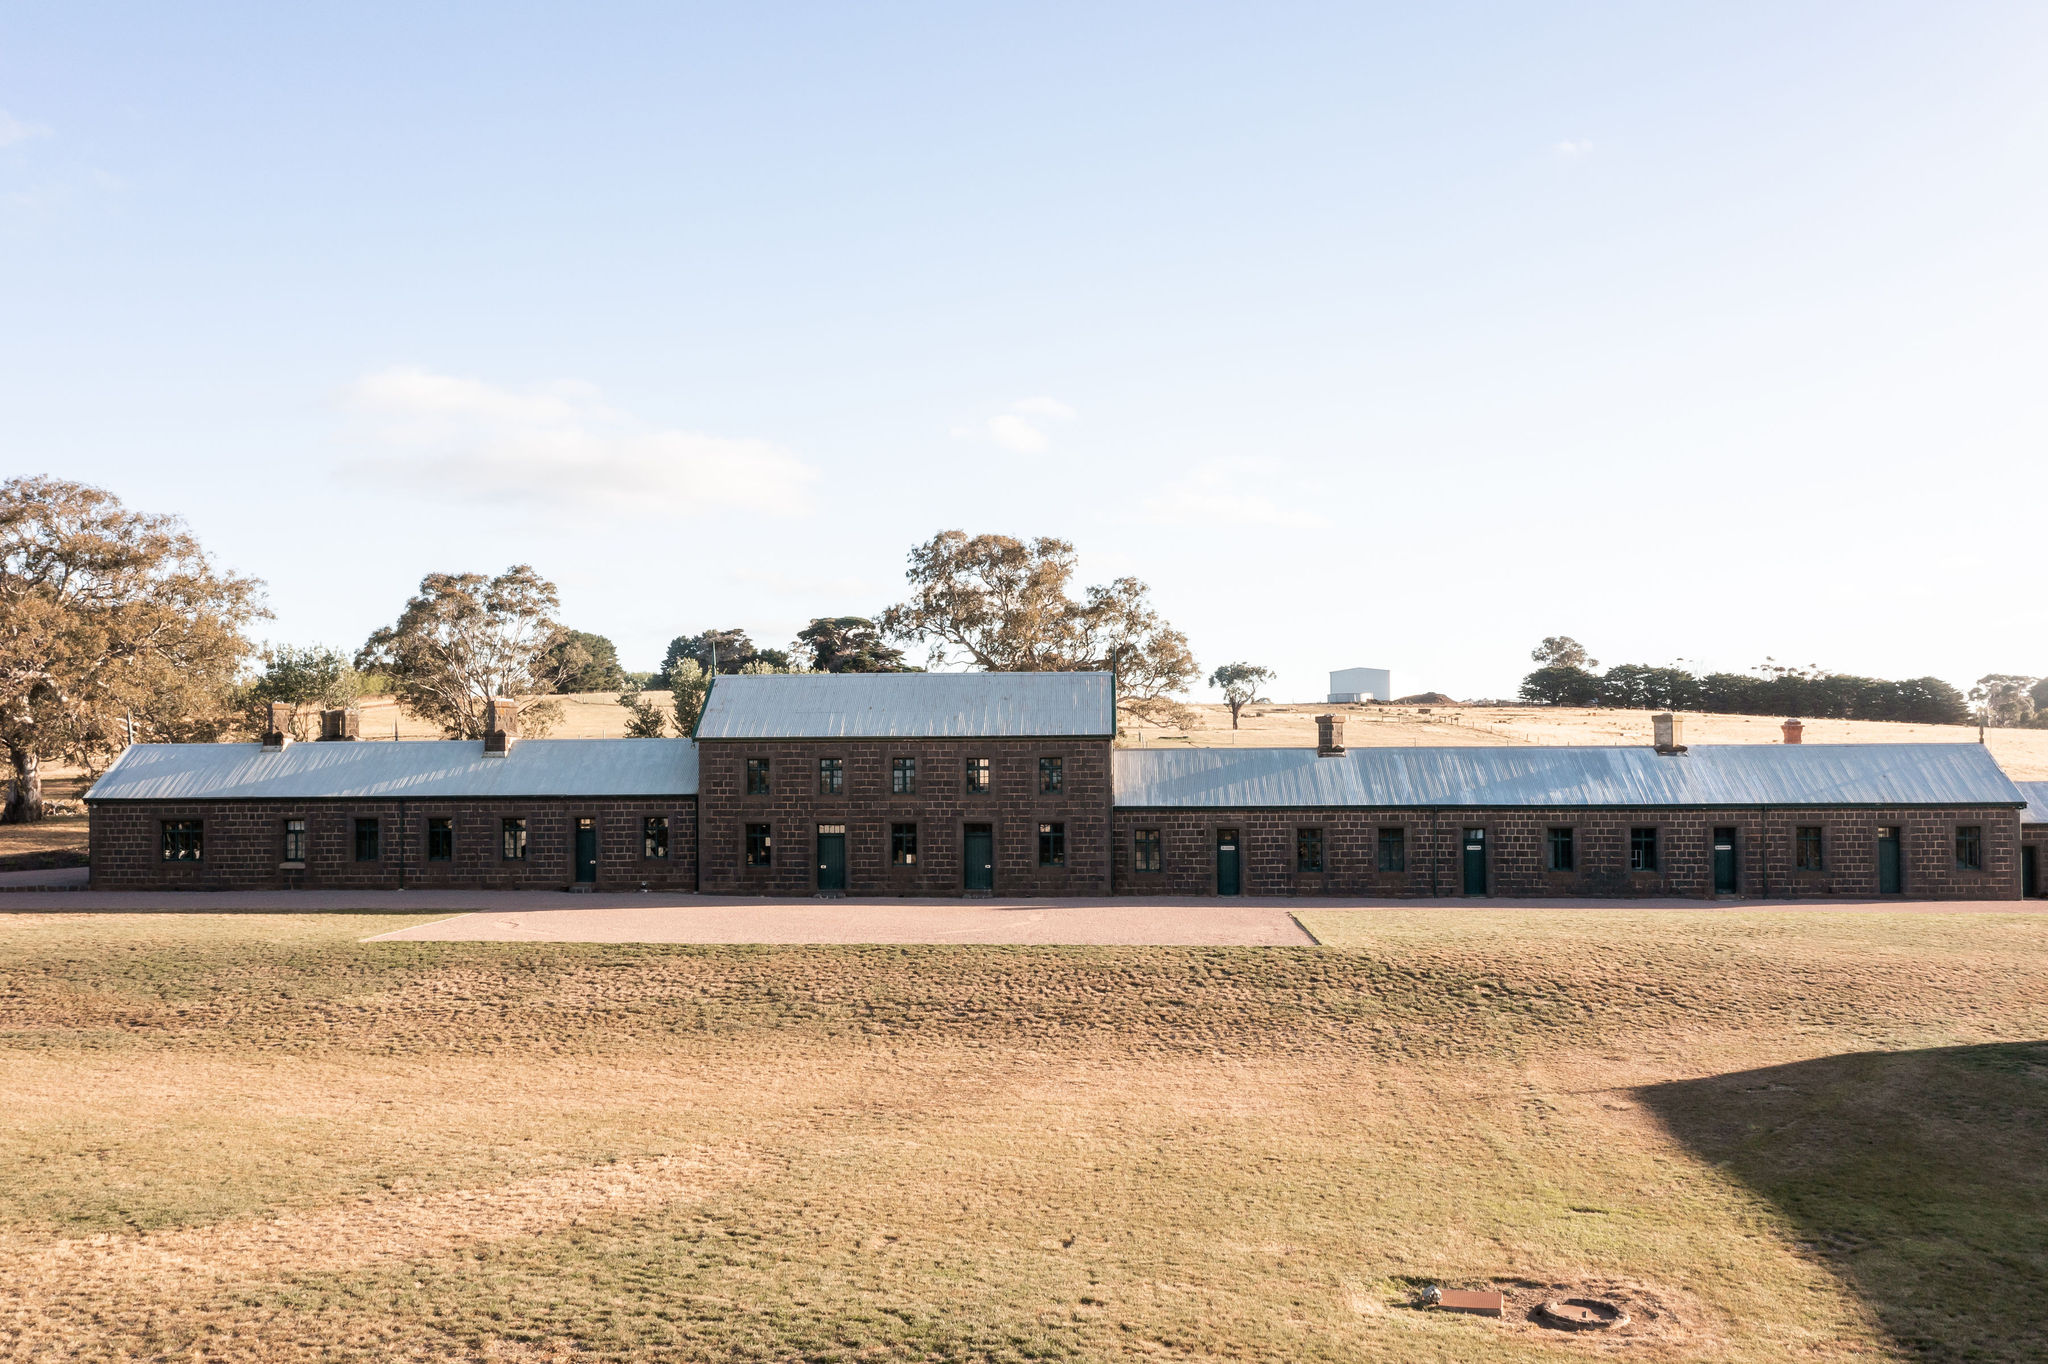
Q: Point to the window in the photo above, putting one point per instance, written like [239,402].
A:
[1145,850]
[1308,850]
[440,840]
[654,836]
[1561,850]
[757,776]
[1393,849]
[183,839]
[1806,850]
[1969,847]
[1642,850]
[515,839]
[902,845]
[1051,775]
[1052,845]
[367,841]
[831,776]
[295,840]
[977,775]
[903,776]
[760,847]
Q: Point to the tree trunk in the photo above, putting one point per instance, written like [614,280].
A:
[1235,707]
[25,796]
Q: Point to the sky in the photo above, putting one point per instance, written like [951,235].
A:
[1368,335]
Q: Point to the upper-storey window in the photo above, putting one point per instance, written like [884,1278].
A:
[903,776]
[1051,775]
[831,776]
[977,775]
[757,776]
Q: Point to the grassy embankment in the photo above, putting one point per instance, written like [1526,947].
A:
[252,1137]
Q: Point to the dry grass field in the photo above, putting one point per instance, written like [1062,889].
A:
[1775,1137]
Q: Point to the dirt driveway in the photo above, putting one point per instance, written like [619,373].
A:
[712,920]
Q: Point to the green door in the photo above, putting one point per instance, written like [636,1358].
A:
[832,857]
[1726,881]
[1888,861]
[1475,861]
[586,851]
[1226,862]
[978,853]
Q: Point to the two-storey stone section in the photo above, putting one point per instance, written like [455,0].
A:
[2034,839]
[1777,821]
[349,815]
[907,784]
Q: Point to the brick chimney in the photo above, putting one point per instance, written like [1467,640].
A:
[278,731]
[501,726]
[1329,736]
[1668,730]
[1793,729]
[340,724]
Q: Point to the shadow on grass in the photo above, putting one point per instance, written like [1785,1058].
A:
[1921,1177]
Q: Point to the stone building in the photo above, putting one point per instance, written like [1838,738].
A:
[945,784]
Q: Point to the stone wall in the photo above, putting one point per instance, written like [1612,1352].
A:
[1517,843]
[941,805]
[243,847]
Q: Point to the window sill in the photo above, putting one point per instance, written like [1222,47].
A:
[291,866]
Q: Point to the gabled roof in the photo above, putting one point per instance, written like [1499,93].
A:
[910,706]
[2036,793]
[1716,775]
[439,769]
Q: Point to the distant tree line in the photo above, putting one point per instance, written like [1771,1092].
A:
[1567,677]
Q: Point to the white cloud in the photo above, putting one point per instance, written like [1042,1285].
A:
[1571,149]
[1021,427]
[1219,492]
[561,445]
[13,130]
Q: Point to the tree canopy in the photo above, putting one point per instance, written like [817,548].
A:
[1562,651]
[587,662]
[465,638]
[107,616]
[1006,605]
[1239,683]
[732,649]
[307,679]
[1771,689]
[847,644]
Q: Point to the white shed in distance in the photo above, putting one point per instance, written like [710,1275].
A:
[1361,684]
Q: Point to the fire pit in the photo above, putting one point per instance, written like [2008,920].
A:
[1581,1314]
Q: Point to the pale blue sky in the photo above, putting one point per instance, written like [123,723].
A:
[1394,336]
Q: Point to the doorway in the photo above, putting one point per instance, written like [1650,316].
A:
[978,856]
[1888,882]
[1726,881]
[832,857]
[586,850]
[1227,881]
[1475,861]
[2030,869]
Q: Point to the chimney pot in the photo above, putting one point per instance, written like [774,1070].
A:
[336,725]
[1793,729]
[1669,730]
[501,726]
[278,731]
[1329,736]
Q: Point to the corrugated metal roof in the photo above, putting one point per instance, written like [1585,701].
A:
[426,770]
[909,706]
[2036,793]
[1718,775]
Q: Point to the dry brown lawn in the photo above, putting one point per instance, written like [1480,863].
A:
[1788,1136]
